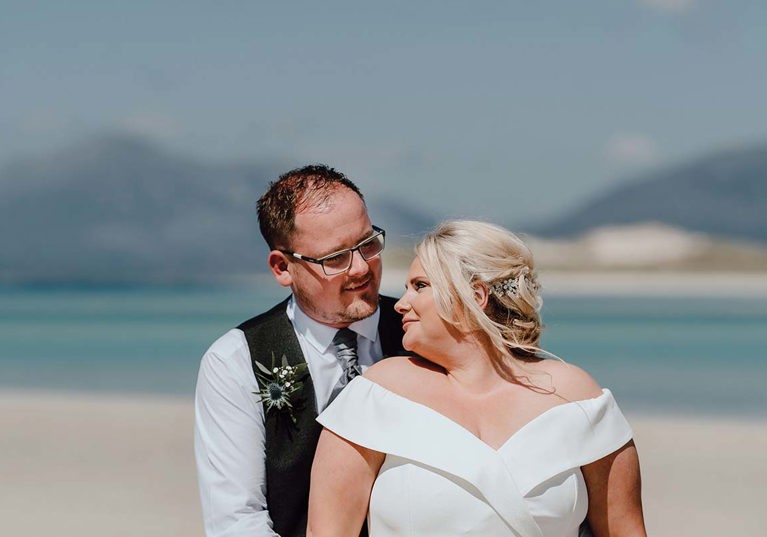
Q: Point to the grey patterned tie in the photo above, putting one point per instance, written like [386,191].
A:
[345,343]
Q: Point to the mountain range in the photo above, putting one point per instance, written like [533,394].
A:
[120,209]
[722,194]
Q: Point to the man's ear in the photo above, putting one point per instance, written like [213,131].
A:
[278,264]
[481,294]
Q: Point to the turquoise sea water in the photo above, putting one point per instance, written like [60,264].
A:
[693,356]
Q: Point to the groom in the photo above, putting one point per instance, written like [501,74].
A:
[262,384]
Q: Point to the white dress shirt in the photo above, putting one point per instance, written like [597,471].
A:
[229,421]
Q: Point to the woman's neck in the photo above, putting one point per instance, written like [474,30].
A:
[469,367]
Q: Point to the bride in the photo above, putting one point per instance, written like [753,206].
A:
[476,433]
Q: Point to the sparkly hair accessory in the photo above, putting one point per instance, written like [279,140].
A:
[504,287]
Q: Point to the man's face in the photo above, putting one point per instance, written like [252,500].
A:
[341,299]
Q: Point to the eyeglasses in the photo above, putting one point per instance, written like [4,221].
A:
[341,261]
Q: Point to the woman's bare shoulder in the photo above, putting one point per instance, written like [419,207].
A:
[400,374]
[569,381]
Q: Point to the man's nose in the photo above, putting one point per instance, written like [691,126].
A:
[359,266]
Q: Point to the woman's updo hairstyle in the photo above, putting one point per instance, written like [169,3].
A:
[460,255]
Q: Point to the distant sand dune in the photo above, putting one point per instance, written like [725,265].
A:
[645,259]
[109,466]
[655,284]
[644,283]
[649,245]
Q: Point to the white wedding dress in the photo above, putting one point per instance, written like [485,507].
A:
[440,480]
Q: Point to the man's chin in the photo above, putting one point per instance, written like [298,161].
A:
[361,309]
[362,306]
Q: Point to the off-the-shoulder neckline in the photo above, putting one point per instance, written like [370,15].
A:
[606,394]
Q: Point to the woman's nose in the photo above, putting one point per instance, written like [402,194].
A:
[402,304]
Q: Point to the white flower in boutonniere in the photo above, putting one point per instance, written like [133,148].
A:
[280,385]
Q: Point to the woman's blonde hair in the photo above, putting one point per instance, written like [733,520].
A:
[460,255]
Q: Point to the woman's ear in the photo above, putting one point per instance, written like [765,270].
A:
[278,264]
[481,294]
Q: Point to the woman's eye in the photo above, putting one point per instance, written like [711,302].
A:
[420,285]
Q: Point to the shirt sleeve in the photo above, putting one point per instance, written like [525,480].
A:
[230,442]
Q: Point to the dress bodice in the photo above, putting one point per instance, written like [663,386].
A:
[439,479]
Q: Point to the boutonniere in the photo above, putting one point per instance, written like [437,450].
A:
[280,386]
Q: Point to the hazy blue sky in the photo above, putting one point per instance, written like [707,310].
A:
[526,106]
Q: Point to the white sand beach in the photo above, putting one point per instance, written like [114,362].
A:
[112,466]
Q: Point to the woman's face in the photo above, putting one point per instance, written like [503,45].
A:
[425,331]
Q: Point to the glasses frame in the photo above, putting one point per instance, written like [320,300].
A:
[321,261]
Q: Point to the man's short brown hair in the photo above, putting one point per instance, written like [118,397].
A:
[294,191]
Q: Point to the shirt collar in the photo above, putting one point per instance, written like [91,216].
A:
[320,336]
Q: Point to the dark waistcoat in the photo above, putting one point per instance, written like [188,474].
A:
[290,446]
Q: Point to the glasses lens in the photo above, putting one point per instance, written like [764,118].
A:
[341,261]
[372,247]
[337,263]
